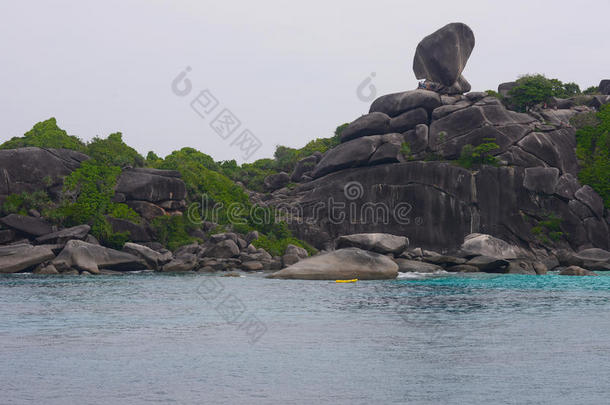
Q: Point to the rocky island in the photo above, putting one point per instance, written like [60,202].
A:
[440,178]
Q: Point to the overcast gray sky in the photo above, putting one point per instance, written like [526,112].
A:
[287,70]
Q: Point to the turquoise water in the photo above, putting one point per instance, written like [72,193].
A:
[146,337]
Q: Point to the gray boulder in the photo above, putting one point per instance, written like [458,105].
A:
[223,249]
[408,120]
[386,153]
[296,250]
[184,262]
[591,199]
[487,245]
[6,236]
[19,174]
[15,258]
[417,138]
[252,266]
[594,258]
[463,268]
[151,185]
[375,242]
[376,123]
[136,232]
[304,165]
[520,267]
[409,266]
[349,154]
[505,88]
[343,264]
[88,257]
[442,55]
[28,225]
[576,271]
[541,179]
[61,237]
[276,181]
[489,264]
[567,185]
[148,210]
[397,103]
[152,258]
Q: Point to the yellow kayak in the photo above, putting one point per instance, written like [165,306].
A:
[347,281]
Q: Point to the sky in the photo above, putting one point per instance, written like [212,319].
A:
[288,72]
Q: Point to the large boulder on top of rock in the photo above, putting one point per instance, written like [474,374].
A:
[28,225]
[15,258]
[151,185]
[375,242]
[343,264]
[85,256]
[441,56]
[397,103]
[376,123]
[31,169]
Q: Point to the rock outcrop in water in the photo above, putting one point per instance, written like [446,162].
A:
[396,169]
[392,196]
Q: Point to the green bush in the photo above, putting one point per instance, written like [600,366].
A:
[86,199]
[172,231]
[478,155]
[591,90]
[112,151]
[548,229]
[405,150]
[593,152]
[535,89]
[22,203]
[45,134]
[277,246]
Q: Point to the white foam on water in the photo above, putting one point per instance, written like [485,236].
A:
[416,275]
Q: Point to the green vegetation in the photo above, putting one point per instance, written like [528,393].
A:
[535,89]
[112,151]
[45,134]
[405,150]
[88,191]
[22,203]
[277,246]
[593,152]
[172,231]
[548,229]
[86,199]
[478,155]
[591,90]
[285,159]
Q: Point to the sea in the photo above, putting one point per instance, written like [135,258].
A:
[146,337]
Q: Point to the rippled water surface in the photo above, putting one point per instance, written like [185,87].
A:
[191,338]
